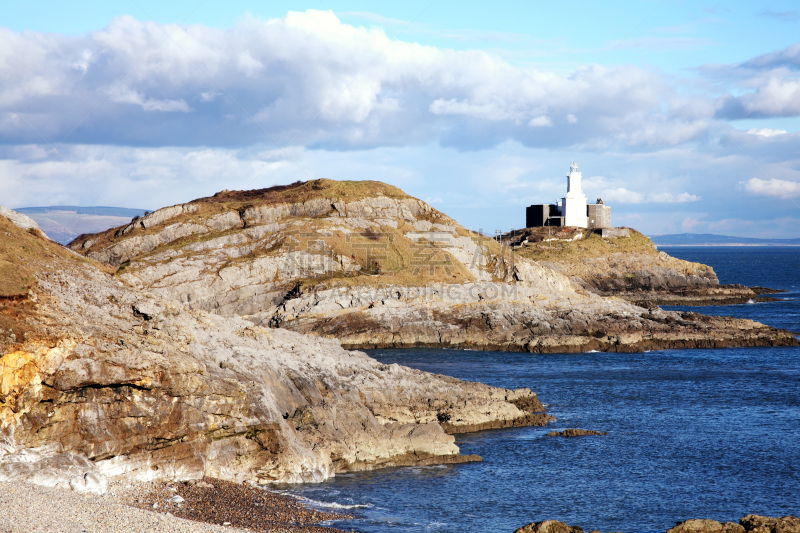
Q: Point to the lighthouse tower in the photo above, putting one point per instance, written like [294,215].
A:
[573,205]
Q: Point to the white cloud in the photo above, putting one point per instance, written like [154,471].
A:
[669,198]
[129,96]
[486,111]
[622,195]
[773,187]
[341,86]
[777,97]
[140,177]
[689,224]
[540,122]
[765,132]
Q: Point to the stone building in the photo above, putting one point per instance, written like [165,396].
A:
[571,210]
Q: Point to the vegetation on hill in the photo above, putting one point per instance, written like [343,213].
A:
[20,251]
[378,251]
[302,191]
[588,245]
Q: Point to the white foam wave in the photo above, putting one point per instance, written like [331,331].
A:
[334,505]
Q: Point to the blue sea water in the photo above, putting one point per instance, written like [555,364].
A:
[692,433]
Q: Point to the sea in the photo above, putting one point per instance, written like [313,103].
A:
[703,433]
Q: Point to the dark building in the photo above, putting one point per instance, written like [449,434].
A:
[543,215]
[598,215]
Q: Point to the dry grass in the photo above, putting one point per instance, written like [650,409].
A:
[19,250]
[386,256]
[21,253]
[303,191]
[347,191]
[589,246]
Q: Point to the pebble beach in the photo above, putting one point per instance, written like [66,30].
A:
[211,506]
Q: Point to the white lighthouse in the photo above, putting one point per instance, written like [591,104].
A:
[573,205]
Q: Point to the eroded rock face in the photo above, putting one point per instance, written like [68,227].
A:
[651,279]
[517,317]
[108,381]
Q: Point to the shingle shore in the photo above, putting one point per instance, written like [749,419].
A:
[35,509]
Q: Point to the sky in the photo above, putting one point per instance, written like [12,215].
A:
[682,116]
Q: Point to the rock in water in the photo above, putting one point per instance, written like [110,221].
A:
[575,433]
[749,524]
[766,524]
[549,526]
[706,526]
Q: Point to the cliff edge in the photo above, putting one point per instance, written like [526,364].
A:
[629,267]
[100,380]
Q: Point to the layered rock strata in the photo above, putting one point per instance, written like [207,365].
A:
[522,319]
[102,381]
[628,267]
[364,263]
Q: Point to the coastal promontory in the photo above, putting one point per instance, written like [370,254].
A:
[364,263]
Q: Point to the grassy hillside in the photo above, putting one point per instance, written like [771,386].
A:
[303,191]
[587,246]
[21,253]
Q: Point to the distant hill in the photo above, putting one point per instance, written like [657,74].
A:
[710,239]
[63,223]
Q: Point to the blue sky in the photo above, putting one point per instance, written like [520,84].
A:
[683,116]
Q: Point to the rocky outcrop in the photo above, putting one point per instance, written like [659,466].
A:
[385,270]
[748,524]
[753,523]
[507,317]
[103,381]
[575,433]
[20,220]
[706,526]
[627,267]
[549,526]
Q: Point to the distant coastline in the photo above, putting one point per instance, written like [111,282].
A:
[710,239]
[724,244]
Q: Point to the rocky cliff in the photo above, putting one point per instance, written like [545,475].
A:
[100,380]
[365,263]
[631,268]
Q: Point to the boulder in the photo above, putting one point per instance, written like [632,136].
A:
[706,526]
[549,526]
[753,523]
[575,433]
